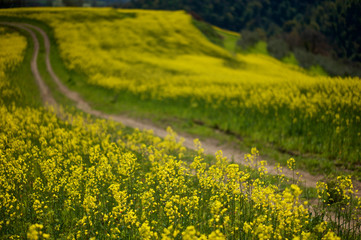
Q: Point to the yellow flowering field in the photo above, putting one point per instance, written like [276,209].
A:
[94,179]
[70,176]
[157,61]
[12,46]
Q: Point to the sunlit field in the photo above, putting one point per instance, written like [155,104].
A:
[94,179]
[160,58]
[71,176]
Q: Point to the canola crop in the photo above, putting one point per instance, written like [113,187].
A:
[93,179]
[161,58]
[12,46]
[80,180]
[69,176]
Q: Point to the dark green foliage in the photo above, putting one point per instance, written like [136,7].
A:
[209,32]
[73,3]
[333,67]
[278,47]
[250,38]
[340,21]
[329,28]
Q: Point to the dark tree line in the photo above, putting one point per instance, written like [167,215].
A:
[70,3]
[324,27]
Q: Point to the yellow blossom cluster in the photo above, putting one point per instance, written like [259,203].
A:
[35,232]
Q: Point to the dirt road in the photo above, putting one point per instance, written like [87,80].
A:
[210,145]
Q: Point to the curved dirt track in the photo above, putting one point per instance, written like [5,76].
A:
[210,145]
